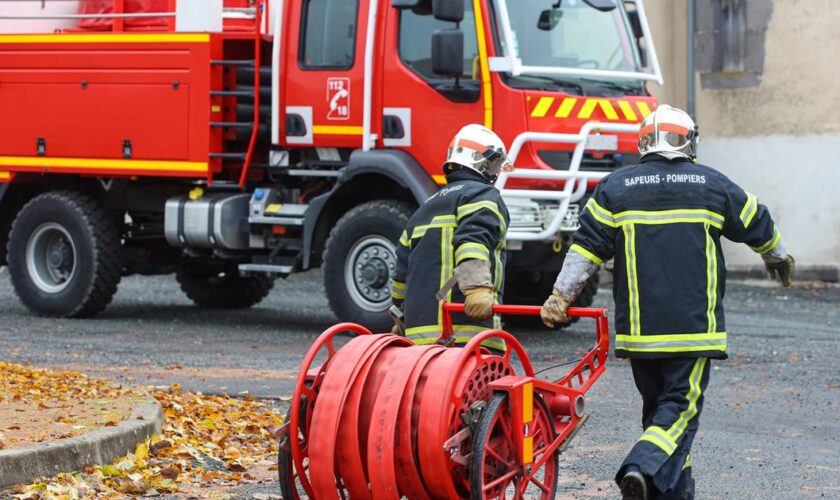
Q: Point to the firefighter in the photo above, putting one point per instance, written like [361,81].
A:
[662,221]
[453,247]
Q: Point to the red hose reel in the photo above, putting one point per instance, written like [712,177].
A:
[382,418]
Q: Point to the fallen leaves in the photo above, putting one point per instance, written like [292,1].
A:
[39,405]
[207,441]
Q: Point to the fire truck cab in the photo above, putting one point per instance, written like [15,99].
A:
[232,142]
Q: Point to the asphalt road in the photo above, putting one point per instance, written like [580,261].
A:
[770,426]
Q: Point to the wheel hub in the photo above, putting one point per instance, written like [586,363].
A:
[375,273]
[51,257]
[60,255]
[368,272]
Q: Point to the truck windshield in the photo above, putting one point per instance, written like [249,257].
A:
[571,34]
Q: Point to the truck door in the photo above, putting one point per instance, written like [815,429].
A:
[423,111]
[325,73]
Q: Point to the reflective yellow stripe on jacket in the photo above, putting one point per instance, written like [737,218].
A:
[425,335]
[771,244]
[676,216]
[471,251]
[681,342]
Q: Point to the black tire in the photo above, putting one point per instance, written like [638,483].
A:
[222,288]
[65,255]
[374,225]
[485,426]
[290,488]
[285,469]
[532,288]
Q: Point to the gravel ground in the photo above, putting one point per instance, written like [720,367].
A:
[769,427]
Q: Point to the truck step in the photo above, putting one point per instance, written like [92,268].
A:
[232,93]
[275,221]
[233,62]
[273,213]
[229,156]
[232,124]
[266,268]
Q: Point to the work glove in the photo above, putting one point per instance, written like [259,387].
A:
[554,311]
[479,303]
[782,269]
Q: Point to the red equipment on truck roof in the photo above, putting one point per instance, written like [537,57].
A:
[246,140]
[91,8]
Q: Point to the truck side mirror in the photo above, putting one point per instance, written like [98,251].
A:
[549,19]
[448,52]
[448,10]
[419,7]
[635,23]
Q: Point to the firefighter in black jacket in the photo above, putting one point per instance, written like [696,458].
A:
[454,244]
[662,221]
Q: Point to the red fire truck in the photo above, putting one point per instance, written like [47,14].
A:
[232,141]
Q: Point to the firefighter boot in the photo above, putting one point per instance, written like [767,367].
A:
[633,484]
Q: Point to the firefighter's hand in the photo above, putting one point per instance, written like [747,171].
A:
[479,303]
[782,270]
[554,311]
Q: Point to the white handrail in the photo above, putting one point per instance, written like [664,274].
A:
[370,37]
[277,11]
[576,180]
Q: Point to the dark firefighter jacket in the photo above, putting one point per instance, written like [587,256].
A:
[662,220]
[466,219]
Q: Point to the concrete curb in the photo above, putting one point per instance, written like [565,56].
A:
[24,465]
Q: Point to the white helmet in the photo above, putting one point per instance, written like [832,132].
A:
[669,132]
[478,148]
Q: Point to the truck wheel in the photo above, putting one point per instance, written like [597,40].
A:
[223,289]
[528,288]
[359,259]
[65,255]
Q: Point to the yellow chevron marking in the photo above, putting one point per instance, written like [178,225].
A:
[587,108]
[627,109]
[643,108]
[542,107]
[608,109]
[566,107]
[5,176]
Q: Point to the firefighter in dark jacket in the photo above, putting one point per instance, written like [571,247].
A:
[454,244]
[662,221]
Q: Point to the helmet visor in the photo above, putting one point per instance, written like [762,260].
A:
[674,139]
[498,159]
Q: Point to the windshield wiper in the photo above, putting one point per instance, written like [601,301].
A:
[554,81]
[637,89]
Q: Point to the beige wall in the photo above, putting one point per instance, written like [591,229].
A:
[668,24]
[800,88]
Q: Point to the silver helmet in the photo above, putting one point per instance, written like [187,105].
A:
[669,132]
[478,148]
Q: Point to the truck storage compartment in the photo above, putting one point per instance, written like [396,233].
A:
[104,120]
[117,98]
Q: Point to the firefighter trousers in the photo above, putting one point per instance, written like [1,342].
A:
[672,393]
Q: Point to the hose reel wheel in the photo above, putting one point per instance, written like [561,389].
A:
[494,469]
